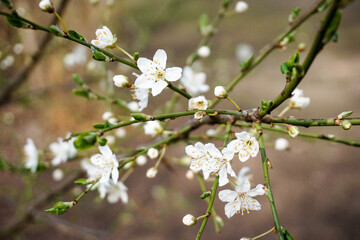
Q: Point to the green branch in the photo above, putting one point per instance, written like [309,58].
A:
[317,45]
[269,193]
[268,49]
[309,122]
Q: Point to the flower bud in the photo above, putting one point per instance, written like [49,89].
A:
[151,172]
[189,220]
[189,175]
[241,7]
[220,92]
[346,124]
[121,81]
[141,160]
[204,51]
[344,114]
[107,115]
[301,47]
[281,144]
[153,153]
[46,6]
[293,131]
[58,174]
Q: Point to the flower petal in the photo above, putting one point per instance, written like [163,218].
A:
[143,82]
[173,74]
[223,179]
[230,209]
[258,190]
[158,87]
[145,65]
[115,174]
[243,185]
[227,195]
[160,57]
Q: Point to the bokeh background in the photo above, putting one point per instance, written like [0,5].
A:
[315,183]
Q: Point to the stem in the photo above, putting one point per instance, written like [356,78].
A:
[234,103]
[263,234]
[269,48]
[76,200]
[316,47]
[163,150]
[62,22]
[309,122]
[125,52]
[209,208]
[284,111]
[178,90]
[267,181]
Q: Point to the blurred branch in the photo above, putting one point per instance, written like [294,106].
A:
[269,48]
[15,83]
[18,225]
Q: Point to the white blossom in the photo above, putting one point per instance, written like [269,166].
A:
[194,83]
[204,51]
[245,144]
[220,92]
[7,62]
[244,51]
[121,81]
[77,57]
[63,150]
[151,172]
[58,174]
[133,106]
[198,103]
[155,75]
[189,220]
[152,128]
[141,160]
[241,199]
[241,7]
[142,94]
[189,175]
[46,6]
[106,164]
[120,133]
[104,38]
[107,115]
[281,144]
[114,191]
[31,153]
[298,100]
[153,153]
[211,132]
[18,48]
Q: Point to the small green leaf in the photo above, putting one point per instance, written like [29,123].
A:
[15,22]
[78,80]
[56,31]
[82,181]
[284,68]
[139,116]
[8,4]
[102,141]
[77,36]
[136,56]
[85,141]
[98,56]
[286,234]
[293,60]
[331,30]
[245,65]
[81,93]
[324,5]
[51,210]
[205,195]
[99,125]
[293,14]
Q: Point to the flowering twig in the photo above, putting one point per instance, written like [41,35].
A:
[309,122]
[267,181]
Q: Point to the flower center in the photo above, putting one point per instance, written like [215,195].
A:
[159,74]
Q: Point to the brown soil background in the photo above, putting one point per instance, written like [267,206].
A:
[315,183]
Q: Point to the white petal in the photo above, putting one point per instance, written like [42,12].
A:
[230,209]
[97,159]
[230,170]
[258,190]
[223,180]
[145,65]
[244,155]
[143,82]
[228,153]
[243,185]
[158,87]
[173,74]
[227,195]
[160,57]
[242,135]
[106,151]
[115,174]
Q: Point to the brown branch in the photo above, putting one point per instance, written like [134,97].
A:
[17,81]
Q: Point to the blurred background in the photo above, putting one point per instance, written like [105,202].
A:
[315,183]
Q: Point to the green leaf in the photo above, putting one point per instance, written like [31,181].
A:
[99,125]
[205,195]
[324,5]
[51,210]
[284,68]
[245,65]
[98,56]
[139,116]
[286,234]
[293,14]
[8,4]
[77,36]
[56,31]
[81,93]
[293,60]
[136,56]
[78,80]
[102,141]
[82,181]
[15,22]
[85,141]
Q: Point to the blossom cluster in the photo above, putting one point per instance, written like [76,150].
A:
[211,161]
